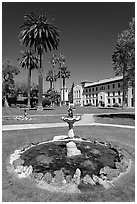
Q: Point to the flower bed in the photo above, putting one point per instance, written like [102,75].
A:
[47,164]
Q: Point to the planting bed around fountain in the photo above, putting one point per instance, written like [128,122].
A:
[70,164]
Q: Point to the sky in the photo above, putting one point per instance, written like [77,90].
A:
[88,35]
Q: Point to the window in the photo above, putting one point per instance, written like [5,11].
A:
[113,93]
[96,88]
[93,101]
[113,100]
[119,93]
[113,86]
[89,89]
[108,86]
[108,100]
[119,100]
[96,95]
[119,85]
[92,89]
[86,90]
[108,94]
[101,97]
[86,101]
[132,91]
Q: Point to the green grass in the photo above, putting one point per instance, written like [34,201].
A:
[54,115]
[63,110]
[118,121]
[15,190]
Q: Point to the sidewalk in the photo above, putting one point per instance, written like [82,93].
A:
[86,120]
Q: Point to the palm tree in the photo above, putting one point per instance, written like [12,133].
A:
[39,32]
[53,61]
[51,77]
[61,60]
[28,61]
[63,73]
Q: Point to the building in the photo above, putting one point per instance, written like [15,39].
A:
[78,95]
[105,93]
[65,94]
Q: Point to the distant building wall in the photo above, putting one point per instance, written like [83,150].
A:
[106,92]
[66,94]
[78,95]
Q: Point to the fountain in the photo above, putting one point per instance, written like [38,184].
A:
[69,163]
[70,119]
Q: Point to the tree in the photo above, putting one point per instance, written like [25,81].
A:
[52,96]
[21,88]
[8,83]
[39,32]
[51,77]
[53,61]
[28,61]
[123,58]
[63,73]
[61,60]
[70,95]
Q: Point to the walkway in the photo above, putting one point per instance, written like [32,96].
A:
[87,120]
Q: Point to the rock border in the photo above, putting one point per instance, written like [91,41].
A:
[107,177]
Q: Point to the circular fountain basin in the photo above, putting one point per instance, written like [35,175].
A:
[98,165]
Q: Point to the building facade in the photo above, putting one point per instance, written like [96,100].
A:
[65,94]
[78,95]
[105,93]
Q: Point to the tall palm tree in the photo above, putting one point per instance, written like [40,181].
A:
[28,61]
[51,77]
[61,60]
[53,61]
[63,73]
[39,32]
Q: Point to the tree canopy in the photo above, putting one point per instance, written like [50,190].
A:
[8,73]
[123,58]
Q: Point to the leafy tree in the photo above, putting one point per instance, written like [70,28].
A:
[51,77]
[123,58]
[63,73]
[34,90]
[28,61]
[70,95]
[38,31]
[8,83]
[21,88]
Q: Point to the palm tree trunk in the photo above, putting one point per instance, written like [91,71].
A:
[29,84]
[63,91]
[50,85]
[40,88]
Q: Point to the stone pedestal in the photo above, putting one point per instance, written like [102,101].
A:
[72,149]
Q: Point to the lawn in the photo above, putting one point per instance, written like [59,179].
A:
[63,110]
[119,119]
[15,190]
[55,114]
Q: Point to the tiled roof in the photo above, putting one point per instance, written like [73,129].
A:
[103,81]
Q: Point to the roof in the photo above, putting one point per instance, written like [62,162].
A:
[103,81]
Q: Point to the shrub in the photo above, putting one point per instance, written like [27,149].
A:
[46,102]
[116,105]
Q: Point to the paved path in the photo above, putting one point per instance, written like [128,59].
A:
[87,119]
